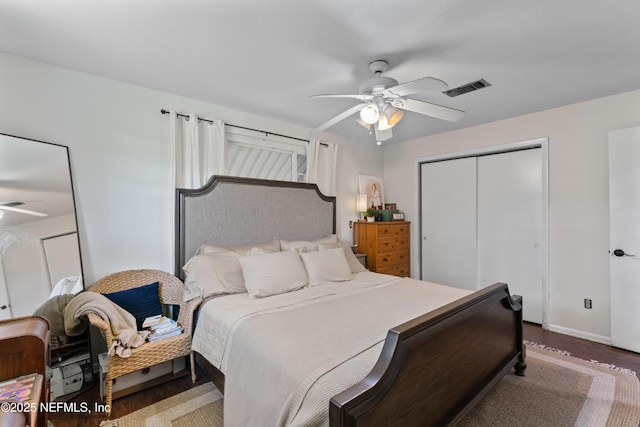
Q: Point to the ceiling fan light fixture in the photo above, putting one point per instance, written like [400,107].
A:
[370,114]
[383,123]
[363,124]
[392,114]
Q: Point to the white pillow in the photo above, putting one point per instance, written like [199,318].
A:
[326,266]
[215,273]
[354,263]
[306,245]
[273,273]
[201,278]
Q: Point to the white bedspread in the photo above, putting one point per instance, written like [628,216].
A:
[284,356]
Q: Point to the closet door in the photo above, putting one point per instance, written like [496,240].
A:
[449,222]
[510,225]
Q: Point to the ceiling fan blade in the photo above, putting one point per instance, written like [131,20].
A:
[429,109]
[360,97]
[339,117]
[23,211]
[420,85]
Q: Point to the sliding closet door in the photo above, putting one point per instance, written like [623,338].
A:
[449,222]
[510,225]
[481,223]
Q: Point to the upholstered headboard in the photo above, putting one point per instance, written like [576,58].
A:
[239,211]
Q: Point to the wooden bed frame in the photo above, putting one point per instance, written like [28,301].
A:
[432,369]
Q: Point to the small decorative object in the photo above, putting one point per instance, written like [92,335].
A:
[398,216]
[371,214]
[390,206]
[386,214]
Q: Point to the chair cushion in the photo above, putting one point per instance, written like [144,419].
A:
[142,302]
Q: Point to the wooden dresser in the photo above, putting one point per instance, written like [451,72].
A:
[386,244]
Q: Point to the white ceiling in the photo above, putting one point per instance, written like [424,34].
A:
[267,57]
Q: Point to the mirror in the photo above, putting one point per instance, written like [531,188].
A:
[39,249]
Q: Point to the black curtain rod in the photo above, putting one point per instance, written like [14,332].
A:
[163,111]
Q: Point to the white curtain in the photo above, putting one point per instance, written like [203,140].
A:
[199,150]
[322,159]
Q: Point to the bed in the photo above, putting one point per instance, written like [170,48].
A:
[427,367]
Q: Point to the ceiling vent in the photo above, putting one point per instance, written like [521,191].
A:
[469,87]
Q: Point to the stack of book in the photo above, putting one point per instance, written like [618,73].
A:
[161,327]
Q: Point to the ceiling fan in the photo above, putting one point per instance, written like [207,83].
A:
[384,102]
[11,206]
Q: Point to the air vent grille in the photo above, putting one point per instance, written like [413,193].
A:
[466,88]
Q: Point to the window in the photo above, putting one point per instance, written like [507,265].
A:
[255,155]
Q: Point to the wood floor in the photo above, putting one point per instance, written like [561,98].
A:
[577,347]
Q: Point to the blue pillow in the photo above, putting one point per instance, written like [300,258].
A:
[142,301]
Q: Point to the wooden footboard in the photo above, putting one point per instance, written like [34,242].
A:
[434,368]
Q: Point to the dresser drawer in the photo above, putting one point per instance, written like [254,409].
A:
[400,270]
[393,243]
[393,230]
[392,258]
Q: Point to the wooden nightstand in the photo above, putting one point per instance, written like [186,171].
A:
[386,245]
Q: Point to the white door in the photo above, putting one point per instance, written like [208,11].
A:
[449,222]
[510,225]
[624,232]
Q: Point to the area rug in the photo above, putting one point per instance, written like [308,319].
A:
[557,390]
[199,406]
[560,390]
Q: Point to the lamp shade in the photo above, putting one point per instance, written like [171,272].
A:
[370,114]
[392,114]
[383,123]
[362,202]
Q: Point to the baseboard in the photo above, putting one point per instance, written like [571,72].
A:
[581,334]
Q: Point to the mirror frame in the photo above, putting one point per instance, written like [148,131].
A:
[42,238]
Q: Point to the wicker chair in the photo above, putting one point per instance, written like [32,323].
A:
[150,353]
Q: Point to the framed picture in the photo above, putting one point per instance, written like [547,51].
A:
[398,216]
[372,187]
[391,206]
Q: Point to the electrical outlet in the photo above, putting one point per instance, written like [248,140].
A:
[350,224]
[587,303]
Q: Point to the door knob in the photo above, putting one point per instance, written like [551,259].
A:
[3,307]
[620,252]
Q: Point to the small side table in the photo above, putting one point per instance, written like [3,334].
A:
[362,258]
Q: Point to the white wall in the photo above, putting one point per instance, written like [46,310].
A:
[578,197]
[120,157]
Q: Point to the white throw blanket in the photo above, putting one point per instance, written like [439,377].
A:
[123,324]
